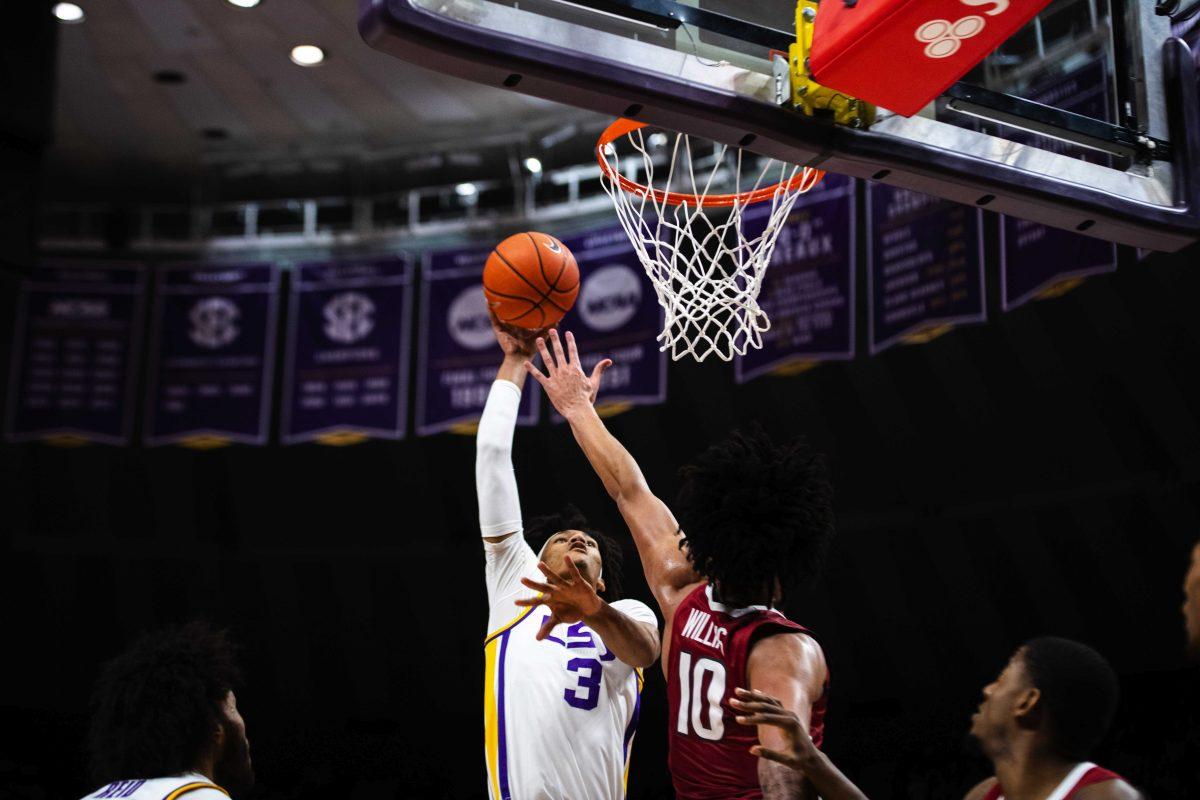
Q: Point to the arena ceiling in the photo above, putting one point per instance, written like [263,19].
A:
[187,96]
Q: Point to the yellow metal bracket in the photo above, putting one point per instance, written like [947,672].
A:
[811,97]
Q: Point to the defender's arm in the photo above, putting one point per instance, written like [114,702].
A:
[654,529]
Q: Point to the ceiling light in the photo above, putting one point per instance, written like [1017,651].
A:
[68,12]
[658,139]
[243,3]
[534,165]
[307,55]
[466,190]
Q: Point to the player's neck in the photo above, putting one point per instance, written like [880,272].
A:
[1028,773]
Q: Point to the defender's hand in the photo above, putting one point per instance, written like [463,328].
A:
[514,341]
[568,388]
[569,599]
[756,708]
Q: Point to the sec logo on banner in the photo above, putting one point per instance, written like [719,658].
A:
[349,317]
[214,322]
[468,320]
[611,296]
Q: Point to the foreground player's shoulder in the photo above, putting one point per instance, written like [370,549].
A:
[780,656]
[635,610]
[1114,788]
[986,789]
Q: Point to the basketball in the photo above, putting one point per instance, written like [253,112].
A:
[531,280]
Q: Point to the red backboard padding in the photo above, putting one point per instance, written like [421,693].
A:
[901,54]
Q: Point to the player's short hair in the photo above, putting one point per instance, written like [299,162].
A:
[539,530]
[752,511]
[156,706]
[1079,693]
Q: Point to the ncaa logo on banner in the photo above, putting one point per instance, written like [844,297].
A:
[943,38]
[468,322]
[610,297]
[349,317]
[214,322]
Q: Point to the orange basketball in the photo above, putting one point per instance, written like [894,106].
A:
[531,280]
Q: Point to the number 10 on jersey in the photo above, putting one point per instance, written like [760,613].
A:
[699,711]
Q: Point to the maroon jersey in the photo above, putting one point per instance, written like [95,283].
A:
[710,755]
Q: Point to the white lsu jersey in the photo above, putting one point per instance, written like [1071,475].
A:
[189,786]
[560,714]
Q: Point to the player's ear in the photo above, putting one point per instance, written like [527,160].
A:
[600,585]
[1028,703]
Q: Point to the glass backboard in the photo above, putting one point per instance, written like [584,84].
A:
[1085,120]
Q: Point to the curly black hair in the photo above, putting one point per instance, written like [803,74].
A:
[752,511]
[539,530]
[1079,690]
[156,706]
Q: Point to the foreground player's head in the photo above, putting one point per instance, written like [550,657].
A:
[166,706]
[567,533]
[1055,694]
[1191,604]
[757,517]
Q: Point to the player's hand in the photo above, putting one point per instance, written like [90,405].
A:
[565,382]
[570,599]
[756,708]
[514,341]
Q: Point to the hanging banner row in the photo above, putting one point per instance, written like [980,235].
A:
[210,368]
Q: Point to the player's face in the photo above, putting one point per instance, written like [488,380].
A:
[232,769]
[1191,605]
[1002,700]
[582,549]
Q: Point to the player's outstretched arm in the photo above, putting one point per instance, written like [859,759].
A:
[798,753]
[495,480]
[654,529]
[570,598]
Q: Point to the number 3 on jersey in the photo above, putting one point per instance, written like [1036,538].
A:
[703,712]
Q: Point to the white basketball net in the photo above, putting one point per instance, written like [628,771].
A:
[707,267]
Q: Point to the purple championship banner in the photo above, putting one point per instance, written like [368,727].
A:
[808,290]
[75,353]
[924,266]
[457,353]
[212,355]
[616,316]
[1041,262]
[346,368]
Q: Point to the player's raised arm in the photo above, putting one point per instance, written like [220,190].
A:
[508,557]
[654,529]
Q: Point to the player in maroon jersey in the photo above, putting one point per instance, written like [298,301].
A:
[1039,721]
[756,520]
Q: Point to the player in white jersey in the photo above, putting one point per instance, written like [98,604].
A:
[563,666]
[165,724]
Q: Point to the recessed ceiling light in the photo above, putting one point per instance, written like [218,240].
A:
[243,3]
[68,12]
[466,190]
[534,165]
[307,55]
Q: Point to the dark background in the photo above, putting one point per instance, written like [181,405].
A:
[1037,474]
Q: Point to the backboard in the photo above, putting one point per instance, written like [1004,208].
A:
[1086,120]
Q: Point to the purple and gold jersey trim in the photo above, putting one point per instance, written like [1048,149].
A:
[191,787]
[495,650]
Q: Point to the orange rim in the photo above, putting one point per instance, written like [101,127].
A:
[806,180]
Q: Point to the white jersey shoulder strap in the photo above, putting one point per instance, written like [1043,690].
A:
[1073,778]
